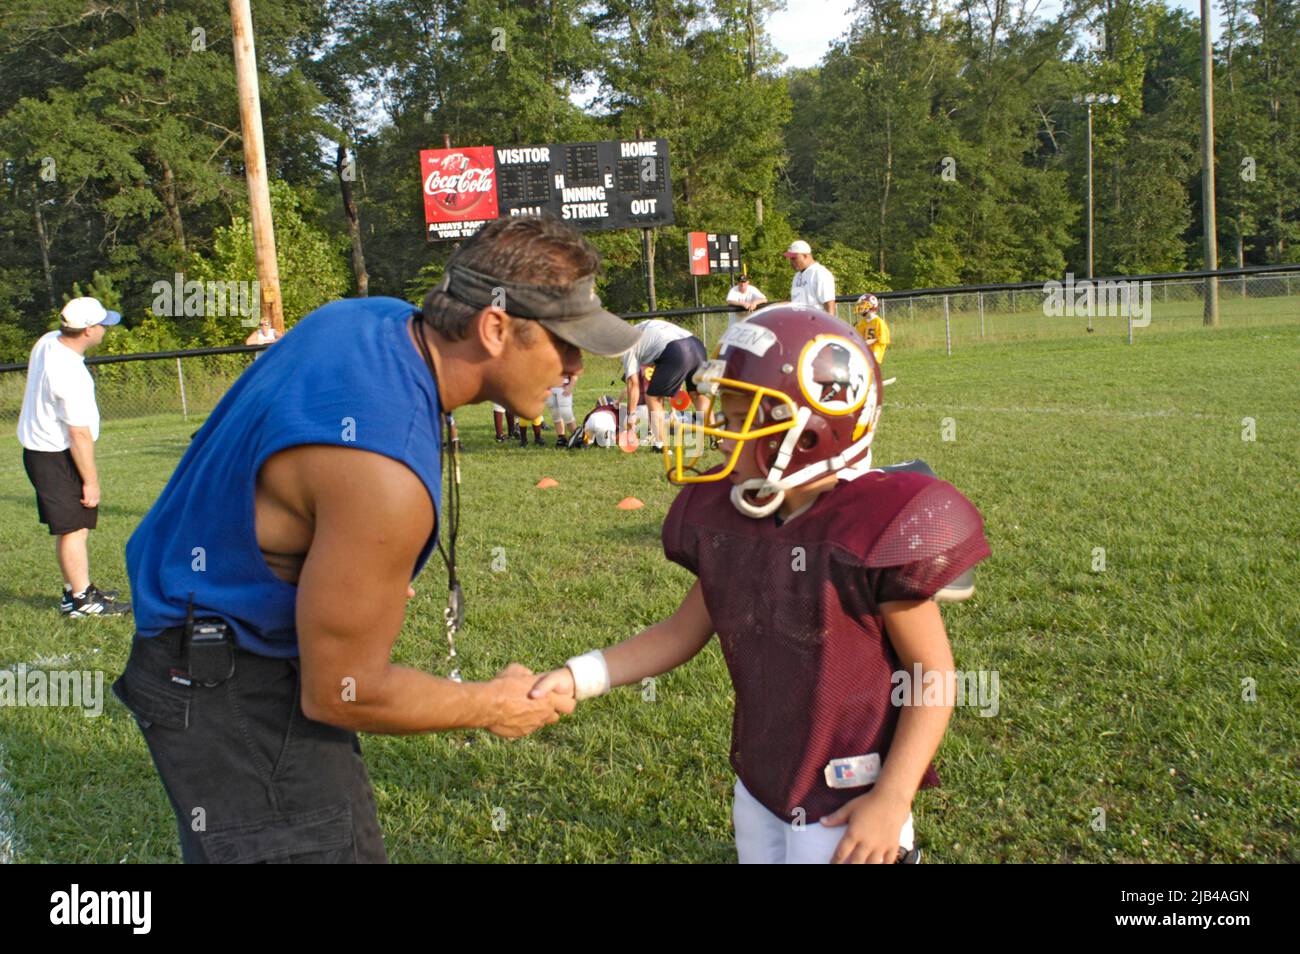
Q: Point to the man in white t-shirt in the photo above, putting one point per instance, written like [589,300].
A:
[58,427]
[813,285]
[263,334]
[675,354]
[744,296]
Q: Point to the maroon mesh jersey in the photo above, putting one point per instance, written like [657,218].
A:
[796,610]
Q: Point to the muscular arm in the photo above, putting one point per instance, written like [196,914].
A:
[82,448]
[369,518]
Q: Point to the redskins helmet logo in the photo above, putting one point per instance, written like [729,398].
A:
[834,375]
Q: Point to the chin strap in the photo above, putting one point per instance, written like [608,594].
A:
[774,482]
[777,482]
[757,511]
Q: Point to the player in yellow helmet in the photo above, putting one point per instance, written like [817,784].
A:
[871,326]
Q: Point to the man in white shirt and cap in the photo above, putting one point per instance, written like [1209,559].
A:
[745,297]
[813,285]
[58,427]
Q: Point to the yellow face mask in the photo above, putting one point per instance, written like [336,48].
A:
[688,440]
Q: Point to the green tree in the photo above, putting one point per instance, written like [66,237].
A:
[124,154]
[312,265]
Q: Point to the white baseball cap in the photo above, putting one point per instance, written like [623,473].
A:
[798,247]
[86,312]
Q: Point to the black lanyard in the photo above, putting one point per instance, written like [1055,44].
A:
[454,614]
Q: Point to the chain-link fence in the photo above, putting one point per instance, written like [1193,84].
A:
[186,385]
[954,319]
[189,384]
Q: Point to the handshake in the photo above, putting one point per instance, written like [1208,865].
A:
[521,702]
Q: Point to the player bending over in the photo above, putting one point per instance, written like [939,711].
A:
[675,354]
[817,574]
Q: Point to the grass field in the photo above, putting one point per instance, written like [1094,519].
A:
[1121,690]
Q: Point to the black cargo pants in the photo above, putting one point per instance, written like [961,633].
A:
[251,778]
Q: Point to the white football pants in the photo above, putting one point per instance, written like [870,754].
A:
[766,839]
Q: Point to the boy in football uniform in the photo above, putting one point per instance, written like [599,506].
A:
[871,327]
[560,404]
[600,426]
[504,422]
[536,424]
[818,574]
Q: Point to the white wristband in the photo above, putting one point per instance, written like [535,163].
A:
[590,674]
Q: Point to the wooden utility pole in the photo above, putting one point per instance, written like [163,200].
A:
[1207,168]
[259,194]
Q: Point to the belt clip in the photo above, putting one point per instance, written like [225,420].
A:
[210,650]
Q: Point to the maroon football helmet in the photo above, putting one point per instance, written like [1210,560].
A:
[815,391]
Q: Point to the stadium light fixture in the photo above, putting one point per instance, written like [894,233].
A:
[1092,99]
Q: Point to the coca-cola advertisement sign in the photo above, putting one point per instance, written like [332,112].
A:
[460,190]
[586,185]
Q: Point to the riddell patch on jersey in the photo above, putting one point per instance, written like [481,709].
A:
[752,338]
[852,772]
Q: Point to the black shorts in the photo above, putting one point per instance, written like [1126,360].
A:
[250,778]
[676,365]
[58,491]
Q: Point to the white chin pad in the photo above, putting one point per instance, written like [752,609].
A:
[741,501]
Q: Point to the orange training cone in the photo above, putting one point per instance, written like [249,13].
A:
[546,482]
[630,503]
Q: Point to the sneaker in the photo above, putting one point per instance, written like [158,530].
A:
[95,602]
[65,603]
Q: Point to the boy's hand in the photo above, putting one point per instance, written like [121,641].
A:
[557,680]
[874,823]
[518,714]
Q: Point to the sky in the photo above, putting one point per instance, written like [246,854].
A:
[805,29]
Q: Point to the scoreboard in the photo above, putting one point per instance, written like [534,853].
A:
[588,185]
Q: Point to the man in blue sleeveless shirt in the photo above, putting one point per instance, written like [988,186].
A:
[270,579]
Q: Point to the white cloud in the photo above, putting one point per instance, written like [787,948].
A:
[804,30]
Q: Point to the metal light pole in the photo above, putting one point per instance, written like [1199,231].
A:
[1207,167]
[1091,99]
[1090,233]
